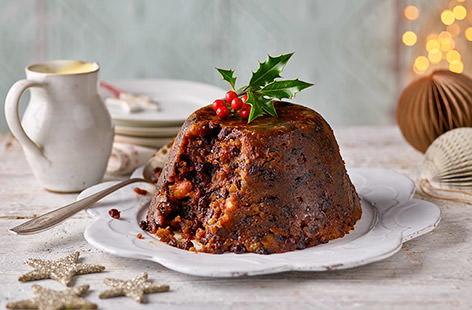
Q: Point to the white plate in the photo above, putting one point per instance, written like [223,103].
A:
[150,142]
[147,132]
[177,99]
[390,217]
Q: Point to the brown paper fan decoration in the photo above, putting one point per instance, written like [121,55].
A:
[446,170]
[432,105]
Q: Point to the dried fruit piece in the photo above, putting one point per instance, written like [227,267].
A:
[140,191]
[114,213]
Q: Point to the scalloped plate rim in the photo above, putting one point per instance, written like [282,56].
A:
[185,267]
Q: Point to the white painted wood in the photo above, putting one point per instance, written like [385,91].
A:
[433,271]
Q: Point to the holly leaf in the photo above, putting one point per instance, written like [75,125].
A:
[284,89]
[227,75]
[268,70]
[256,107]
[241,89]
[263,89]
[268,106]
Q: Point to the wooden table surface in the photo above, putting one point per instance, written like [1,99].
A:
[433,271]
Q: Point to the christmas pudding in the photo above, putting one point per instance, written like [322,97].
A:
[272,185]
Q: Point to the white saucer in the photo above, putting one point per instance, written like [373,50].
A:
[143,141]
[147,132]
[177,99]
[390,217]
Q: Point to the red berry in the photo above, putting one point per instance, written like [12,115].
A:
[246,106]
[218,103]
[236,103]
[114,213]
[244,113]
[229,96]
[139,236]
[222,112]
[244,98]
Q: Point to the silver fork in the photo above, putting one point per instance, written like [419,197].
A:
[52,218]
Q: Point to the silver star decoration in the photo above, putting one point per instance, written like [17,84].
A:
[47,299]
[135,288]
[61,270]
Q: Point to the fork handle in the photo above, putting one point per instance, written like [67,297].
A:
[48,220]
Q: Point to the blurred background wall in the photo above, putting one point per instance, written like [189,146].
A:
[354,51]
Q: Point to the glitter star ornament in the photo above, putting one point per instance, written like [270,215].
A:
[47,299]
[135,288]
[61,270]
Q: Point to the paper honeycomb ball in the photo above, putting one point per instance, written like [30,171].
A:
[432,105]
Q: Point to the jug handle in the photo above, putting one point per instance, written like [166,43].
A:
[13,118]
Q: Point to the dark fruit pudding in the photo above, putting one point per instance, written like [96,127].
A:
[271,186]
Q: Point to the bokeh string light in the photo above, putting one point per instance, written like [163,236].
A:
[409,38]
[411,12]
[441,49]
[459,12]
[447,17]
[454,30]
[468,33]
[421,64]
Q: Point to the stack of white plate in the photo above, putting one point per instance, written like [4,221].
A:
[176,100]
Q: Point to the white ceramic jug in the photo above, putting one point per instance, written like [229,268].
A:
[66,131]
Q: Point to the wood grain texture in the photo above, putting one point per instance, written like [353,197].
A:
[430,272]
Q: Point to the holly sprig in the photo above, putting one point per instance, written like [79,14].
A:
[265,86]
